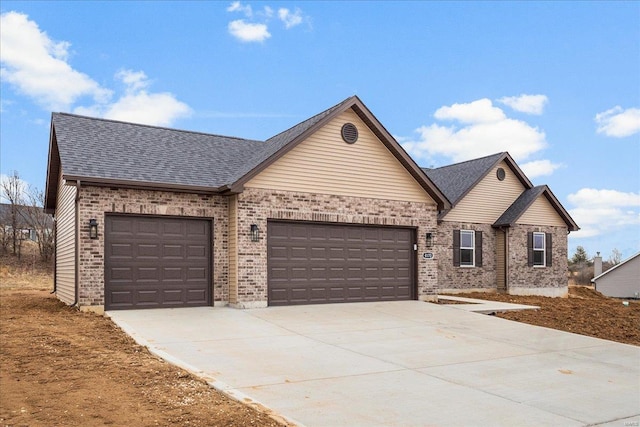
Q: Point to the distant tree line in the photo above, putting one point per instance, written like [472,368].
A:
[22,218]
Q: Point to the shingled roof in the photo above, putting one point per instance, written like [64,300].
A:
[456,180]
[525,200]
[107,152]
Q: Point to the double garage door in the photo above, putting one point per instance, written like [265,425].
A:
[310,263]
[155,262]
[159,262]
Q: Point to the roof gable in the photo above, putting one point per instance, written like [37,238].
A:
[625,262]
[282,143]
[457,180]
[621,264]
[525,201]
[325,164]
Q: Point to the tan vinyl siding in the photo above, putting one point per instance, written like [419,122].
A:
[325,164]
[488,199]
[541,213]
[65,243]
[233,249]
[500,261]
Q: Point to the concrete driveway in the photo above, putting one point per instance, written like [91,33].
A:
[404,363]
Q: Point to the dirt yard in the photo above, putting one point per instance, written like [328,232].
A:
[62,367]
[585,312]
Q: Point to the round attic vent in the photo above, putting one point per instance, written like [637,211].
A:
[500,173]
[349,133]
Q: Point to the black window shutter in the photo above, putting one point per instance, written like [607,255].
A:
[478,248]
[548,249]
[530,248]
[456,248]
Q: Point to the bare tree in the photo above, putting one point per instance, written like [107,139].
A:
[40,222]
[12,189]
[615,257]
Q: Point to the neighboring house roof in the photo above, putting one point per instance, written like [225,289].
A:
[615,267]
[108,152]
[22,215]
[526,199]
[458,179]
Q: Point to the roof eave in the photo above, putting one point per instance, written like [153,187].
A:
[144,185]
[401,155]
[571,224]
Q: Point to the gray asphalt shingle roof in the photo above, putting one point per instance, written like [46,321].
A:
[457,179]
[134,152]
[121,151]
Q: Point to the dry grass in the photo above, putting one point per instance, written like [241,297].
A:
[28,272]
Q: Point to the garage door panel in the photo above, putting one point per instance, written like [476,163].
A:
[156,262]
[196,273]
[196,251]
[312,263]
[147,274]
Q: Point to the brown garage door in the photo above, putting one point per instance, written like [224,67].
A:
[310,263]
[153,262]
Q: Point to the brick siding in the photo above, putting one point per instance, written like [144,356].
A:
[550,281]
[454,279]
[95,202]
[257,206]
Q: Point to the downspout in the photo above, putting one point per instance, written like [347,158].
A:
[77,241]
[55,255]
[506,259]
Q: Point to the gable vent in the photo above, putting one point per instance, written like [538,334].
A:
[349,133]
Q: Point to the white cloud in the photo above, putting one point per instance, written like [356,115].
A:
[530,104]
[538,168]
[37,66]
[255,27]
[603,211]
[480,111]
[248,32]
[290,19]
[485,130]
[619,123]
[137,105]
[236,6]
[134,80]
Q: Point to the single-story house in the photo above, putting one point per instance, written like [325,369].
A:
[331,210]
[622,280]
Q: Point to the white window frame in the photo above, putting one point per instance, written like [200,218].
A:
[543,250]
[472,248]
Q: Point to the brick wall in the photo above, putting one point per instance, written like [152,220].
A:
[548,281]
[256,206]
[96,201]
[458,279]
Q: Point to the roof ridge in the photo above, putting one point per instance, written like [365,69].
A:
[469,161]
[101,119]
[352,97]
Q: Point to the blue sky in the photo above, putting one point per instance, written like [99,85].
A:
[557,84]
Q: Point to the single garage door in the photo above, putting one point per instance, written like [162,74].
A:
[156,262]
[310,263]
